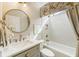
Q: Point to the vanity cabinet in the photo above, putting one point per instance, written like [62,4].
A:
[32,52]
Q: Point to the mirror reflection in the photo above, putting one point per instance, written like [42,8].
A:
[17,20]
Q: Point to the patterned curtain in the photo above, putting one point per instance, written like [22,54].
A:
[74,16]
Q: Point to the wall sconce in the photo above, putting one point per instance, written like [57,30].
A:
[24,3]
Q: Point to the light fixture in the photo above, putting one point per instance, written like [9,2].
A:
[24,3]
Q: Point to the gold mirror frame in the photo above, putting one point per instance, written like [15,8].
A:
[20,11]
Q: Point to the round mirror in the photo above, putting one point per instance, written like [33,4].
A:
[16,20]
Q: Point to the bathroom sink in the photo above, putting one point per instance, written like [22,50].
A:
[19,45]
[16,46]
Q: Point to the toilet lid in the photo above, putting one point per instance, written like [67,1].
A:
[47,52]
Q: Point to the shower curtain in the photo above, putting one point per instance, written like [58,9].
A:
[74,16]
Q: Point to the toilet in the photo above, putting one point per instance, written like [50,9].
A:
[46,53]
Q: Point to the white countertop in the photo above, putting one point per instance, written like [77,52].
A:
[18,47]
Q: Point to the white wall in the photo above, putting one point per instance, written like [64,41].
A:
[61,30]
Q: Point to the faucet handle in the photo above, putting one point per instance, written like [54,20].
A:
[20,37]
[23,38]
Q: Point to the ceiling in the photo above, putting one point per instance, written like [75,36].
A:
[36,4]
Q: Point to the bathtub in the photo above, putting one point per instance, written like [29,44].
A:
[60,50]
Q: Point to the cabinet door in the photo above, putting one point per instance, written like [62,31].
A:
[34,52]
[21,54]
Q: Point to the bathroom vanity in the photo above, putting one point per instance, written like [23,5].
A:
[31,52]
[27,48]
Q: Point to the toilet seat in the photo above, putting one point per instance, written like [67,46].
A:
[48,53]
